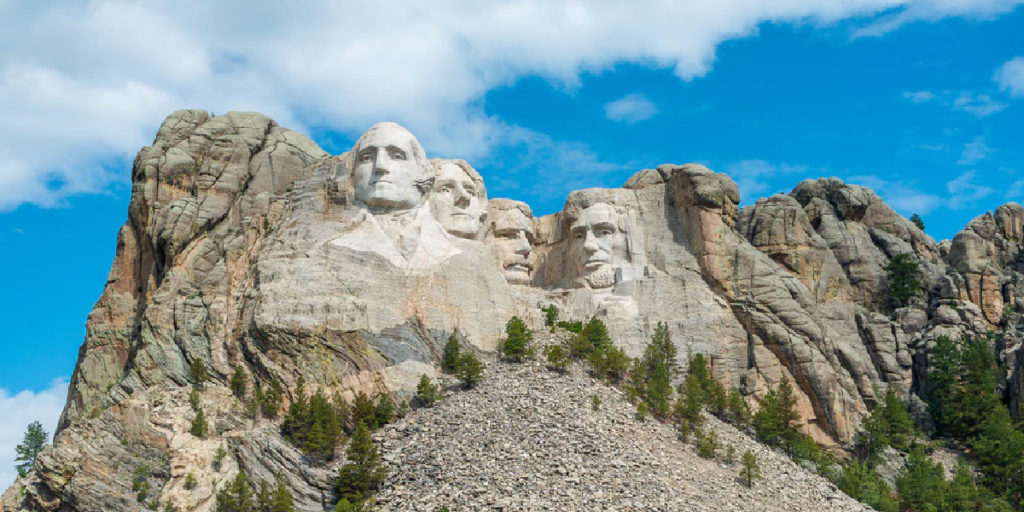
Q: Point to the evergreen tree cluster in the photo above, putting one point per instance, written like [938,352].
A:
[463,365]
[889,424]
[317,424]
[242,496]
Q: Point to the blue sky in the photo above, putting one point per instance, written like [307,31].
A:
[922,101]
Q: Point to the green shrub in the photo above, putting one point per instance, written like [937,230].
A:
[426,391]
[470,370]
[199,424]
[238,383]
[517,341]
[364,472]
[641,411]
[904,276]
[450,355]
[861,483]
[595,402]
[197,372]
[550,315]
[190,481]
[218,458]
[557,357]
[749,471]
[707,443]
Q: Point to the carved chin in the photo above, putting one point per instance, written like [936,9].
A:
[603,277]
[517,276]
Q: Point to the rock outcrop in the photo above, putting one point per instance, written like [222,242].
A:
[247,246]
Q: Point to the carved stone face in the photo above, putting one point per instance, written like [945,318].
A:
[387,169]
[598,244]
[511,241]
[455,201]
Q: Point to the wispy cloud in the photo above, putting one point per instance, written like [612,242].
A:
[1010,77]
[630,108]
[1015,191]
[919,96]
[931,10]
[907,198]
[755,178]
[980,105]
[963,192]
[975,151]
[90,81]
[20,409]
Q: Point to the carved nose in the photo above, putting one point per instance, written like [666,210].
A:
[380,163]
[522,245]
[461,198]
[590,244]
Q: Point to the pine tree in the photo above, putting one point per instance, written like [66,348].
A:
[749,471]
[659,367]
[556,357]
[199,424]
[28,451]
[384,412]
[281,500]
[737,409]
[197,372]
[363,410]
[426,391]
[920,483]
[550,316]
[364,472]
[469,369]
[775,420]
[450,356]
[941,382]
[517,341]
[918,221]
[238,383]
[688,406]
[861,483]
[237,497]
[904,276]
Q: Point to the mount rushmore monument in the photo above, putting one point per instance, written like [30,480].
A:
[248,246]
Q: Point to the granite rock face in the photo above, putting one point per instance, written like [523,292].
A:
[247,246]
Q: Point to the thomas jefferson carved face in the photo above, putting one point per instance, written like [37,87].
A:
[455,200]
[390,171]
[599,244]
[511,240]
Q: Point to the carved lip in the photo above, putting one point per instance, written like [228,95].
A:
[519,267]
[594,263]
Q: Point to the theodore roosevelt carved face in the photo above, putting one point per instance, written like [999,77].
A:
[458,199]
[390,172]
[599,244]
[510,236]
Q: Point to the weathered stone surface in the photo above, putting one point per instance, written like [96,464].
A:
[247,246]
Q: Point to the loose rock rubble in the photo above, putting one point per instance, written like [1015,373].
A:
[528,439]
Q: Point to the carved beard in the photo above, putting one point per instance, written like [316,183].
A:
[601,278]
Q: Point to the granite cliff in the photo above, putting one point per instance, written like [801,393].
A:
[247,246]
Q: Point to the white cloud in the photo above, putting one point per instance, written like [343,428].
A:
[932,10]
[754,177]
[630,108]
[975,151]
[20,409]
[903,197]
[88,82]
[1010,77]
[980,105]
[963,192]
[1015,191]
[919,96]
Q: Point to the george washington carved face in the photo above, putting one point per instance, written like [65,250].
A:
[390,171]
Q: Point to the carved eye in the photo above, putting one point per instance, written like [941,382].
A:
[365,157]
[604,232]
[445,190]
[396,154]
